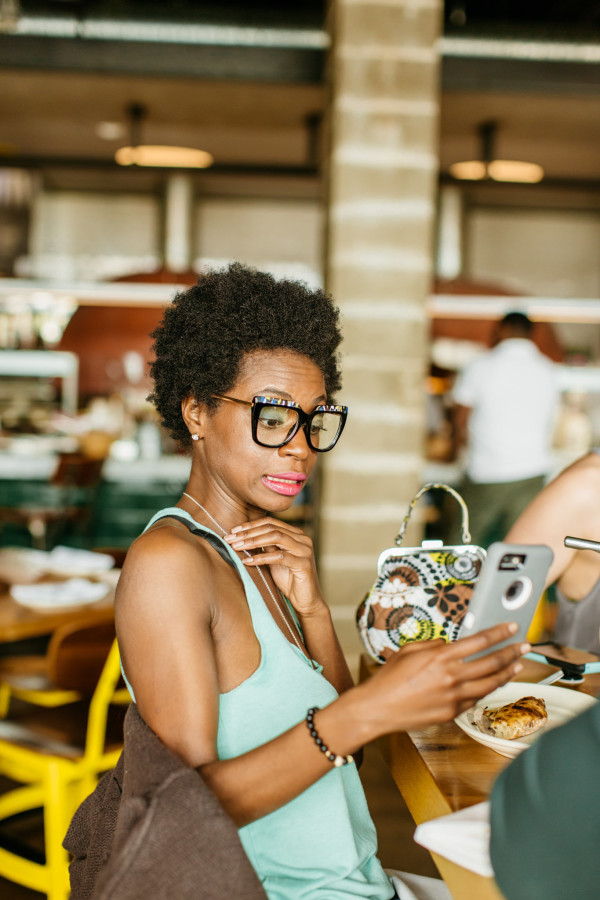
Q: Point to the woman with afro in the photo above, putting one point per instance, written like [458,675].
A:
[227,642]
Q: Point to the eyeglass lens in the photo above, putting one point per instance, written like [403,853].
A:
[276,423]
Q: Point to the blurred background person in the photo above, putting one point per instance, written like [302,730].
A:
[569,505]
[505,406]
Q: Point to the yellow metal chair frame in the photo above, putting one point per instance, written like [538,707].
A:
[29,682]
[56,777]
[39,680]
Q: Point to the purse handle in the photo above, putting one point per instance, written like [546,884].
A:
[466,534]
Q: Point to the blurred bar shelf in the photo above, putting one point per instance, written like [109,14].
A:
[539,309]
[91,294]
[38,466]
[547,309]
[45,364]
[579,379]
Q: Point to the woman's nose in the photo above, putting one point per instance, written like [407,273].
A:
[298,446]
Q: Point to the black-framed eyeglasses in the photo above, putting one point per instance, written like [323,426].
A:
[275,422]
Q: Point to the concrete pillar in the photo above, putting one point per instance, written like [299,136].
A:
[382,178]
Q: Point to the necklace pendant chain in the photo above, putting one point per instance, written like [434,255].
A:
[261,573]
[206,512]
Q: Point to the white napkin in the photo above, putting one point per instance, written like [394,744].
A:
[462,837]
[418,887]
[47,595]
[72,559]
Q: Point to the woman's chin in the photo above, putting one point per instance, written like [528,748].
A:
[274,503]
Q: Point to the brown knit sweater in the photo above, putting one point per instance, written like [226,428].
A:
[153,829]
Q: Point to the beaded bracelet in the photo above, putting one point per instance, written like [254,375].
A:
[332,757]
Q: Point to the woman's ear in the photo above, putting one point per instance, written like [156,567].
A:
[194,416]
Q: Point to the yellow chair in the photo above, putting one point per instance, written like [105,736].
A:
[55,773]
[69,670]
[544,619]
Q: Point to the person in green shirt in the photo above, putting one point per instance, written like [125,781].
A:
[545,816]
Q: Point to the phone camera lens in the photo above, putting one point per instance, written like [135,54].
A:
[517,593]
[514,590]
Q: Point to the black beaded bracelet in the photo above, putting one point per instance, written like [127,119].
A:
[333,758]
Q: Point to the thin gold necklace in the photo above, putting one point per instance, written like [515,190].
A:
[260,572]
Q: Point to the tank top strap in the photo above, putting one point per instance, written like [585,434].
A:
[208,536]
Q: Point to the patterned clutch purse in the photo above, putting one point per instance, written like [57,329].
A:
[420,592]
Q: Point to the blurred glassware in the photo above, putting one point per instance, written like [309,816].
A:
[34,320]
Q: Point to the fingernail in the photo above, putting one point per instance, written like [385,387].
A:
[518,667]
[513,627]
[237,544]
[236,528]
[525,648]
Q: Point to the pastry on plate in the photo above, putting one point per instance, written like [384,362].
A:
[514,720]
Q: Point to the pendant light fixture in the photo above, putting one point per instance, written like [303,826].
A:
[157,155]
[488,167]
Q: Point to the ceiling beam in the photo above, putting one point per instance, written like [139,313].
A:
[206,61]
[282,64]
[515,76]
[309,170]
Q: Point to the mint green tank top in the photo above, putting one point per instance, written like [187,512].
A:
[322,844]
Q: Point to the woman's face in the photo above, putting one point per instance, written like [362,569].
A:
[262,478]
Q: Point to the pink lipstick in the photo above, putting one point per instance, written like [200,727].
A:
[288,483]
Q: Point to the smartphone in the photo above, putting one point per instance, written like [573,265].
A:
[510,583]
[570,660]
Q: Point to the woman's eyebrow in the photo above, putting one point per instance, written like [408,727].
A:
[285,396]
[275,390]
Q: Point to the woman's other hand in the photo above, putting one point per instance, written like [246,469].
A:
[430,682]
[288,552]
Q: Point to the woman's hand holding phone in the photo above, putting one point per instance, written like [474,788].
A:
[429,682]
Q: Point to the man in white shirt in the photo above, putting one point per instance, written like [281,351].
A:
[506,403]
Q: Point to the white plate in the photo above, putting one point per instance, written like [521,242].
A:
[73,561]
[52,595]
[21,565]
[561,705]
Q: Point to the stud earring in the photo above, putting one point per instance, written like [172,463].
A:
[195,437]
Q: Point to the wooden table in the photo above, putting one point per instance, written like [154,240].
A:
[441,769]
[19,623]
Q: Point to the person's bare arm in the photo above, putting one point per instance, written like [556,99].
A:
[163,615]
[568,505]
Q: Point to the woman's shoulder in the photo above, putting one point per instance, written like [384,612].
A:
[167,553]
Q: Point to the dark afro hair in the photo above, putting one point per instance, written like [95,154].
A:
[207,330]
